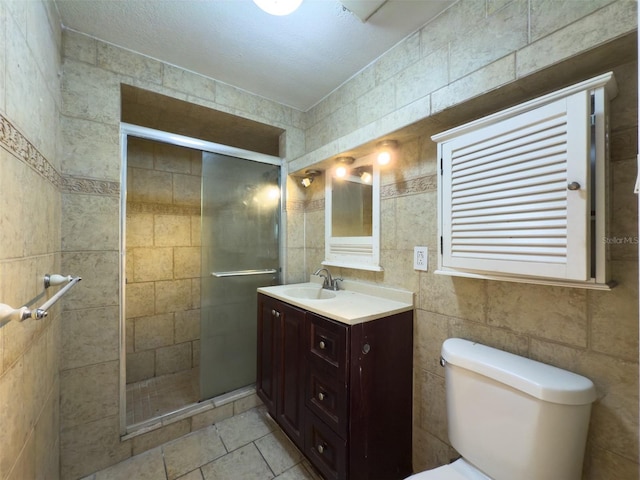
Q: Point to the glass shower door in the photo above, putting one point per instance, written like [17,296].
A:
[240,252]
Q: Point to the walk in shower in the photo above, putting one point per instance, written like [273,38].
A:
[201,225]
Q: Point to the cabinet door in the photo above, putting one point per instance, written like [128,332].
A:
[290,403]
[268,344]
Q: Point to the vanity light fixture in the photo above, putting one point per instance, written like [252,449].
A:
[386,150]
[343,164]
[364,174]
[278,7]
[309,175]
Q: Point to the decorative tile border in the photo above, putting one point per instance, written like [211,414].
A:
[163,209]
[89,186]
[14,142]
[412,186]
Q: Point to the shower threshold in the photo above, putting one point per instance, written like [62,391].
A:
[173,415]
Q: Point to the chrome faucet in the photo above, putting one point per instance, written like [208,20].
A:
[329,282]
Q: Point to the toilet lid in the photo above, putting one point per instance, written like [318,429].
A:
[458,470]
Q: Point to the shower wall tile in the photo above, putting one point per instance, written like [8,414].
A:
[187,325]
[141,366]
[152,264]
[13,418]
[153,332]
[139,230]
[186,190]
[172,296]
[183,80]
[171,158]
[149,186]
[172,231]
[173,359]
[140,299]
[187,262]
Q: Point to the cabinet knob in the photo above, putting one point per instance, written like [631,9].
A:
[322,345]
[320,448]
[273,312]
[321,396]
[573,186]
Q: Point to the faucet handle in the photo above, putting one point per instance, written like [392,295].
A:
[334,283]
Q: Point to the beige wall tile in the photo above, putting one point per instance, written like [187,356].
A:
[151,264]
[91,222]
[88,393]
[186,190]
[172,231]
[13,417]
[139,230]
[483,45]
[153,332]
[187,262]
[179,79]
[140,299]
[90,149]
[187,325]
[99,286]
[141,365]
[173,296]
[173,359]
[92,446]
[115,59]
[149,186]
[517,307]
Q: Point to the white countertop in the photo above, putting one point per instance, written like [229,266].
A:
[355,303]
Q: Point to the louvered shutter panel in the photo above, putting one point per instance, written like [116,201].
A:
[505,204]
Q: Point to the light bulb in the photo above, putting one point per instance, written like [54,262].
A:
[341,171]
[278,7]
[384,158]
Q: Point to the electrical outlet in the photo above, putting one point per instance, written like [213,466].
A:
[420,258]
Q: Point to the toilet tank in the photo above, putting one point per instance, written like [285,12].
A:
[515,418]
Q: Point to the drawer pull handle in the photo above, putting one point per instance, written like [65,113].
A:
[320,448]
[321,396]
[322,345]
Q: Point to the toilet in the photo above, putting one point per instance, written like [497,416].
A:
[512,418]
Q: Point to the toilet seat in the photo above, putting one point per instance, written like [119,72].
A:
[458,470]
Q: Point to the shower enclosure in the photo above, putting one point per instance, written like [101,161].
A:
[201,229]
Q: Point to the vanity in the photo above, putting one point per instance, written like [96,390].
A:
[335,372]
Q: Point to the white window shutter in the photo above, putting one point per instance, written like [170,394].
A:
[506,206]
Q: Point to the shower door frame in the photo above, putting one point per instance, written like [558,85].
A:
[130,130]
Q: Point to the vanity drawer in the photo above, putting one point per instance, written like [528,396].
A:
[327,344]
[326,450]
[327,398]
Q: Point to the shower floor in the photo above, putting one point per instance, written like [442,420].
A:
[158,396]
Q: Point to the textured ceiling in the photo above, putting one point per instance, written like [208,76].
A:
[296,60]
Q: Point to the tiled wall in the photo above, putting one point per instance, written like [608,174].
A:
[590,332]
[455,59]
[90,392]
[30,185]
[163,259]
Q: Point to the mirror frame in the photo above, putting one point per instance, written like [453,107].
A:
[361,253]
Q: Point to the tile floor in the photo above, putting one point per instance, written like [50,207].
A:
[248,446]
[157,396]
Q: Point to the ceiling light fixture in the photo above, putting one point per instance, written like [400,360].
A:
[278,7]
[364,174]
[342,168]
[309,175]
[386,149]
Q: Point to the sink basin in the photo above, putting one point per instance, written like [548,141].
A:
[309,293]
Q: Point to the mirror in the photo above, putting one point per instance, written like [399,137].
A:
[352,217]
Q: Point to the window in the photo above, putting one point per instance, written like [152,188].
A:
[522,192]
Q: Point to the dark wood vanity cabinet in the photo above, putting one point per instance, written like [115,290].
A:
[343,393]
[280,382]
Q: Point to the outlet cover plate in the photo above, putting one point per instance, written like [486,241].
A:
[420,258]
